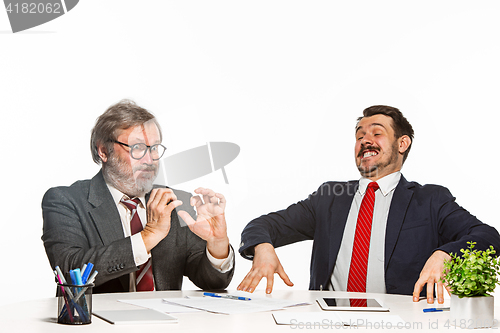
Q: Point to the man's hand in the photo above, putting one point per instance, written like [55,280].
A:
[161,203]
[210,223]
[265,264]
[430,274]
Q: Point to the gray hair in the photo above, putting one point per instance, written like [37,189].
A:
[120,116]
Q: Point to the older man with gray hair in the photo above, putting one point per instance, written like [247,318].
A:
[129,229]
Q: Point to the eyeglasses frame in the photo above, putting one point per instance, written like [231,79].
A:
[145,151]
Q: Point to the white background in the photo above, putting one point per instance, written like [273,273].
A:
[285,80]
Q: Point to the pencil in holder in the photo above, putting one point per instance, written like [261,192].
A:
[74,304]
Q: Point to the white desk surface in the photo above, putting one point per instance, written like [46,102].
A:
[40,316]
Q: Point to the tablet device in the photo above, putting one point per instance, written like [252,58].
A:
[350,304]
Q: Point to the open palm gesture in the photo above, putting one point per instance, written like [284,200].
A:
[210,223]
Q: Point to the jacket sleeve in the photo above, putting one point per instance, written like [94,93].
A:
[293,224]
[70,239]
[456,226]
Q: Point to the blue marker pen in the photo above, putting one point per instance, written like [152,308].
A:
[78,276]
[86,272]
[436,309]
[73,277]
[227,296]
[82,291]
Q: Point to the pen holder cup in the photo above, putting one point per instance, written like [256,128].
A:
[74,304]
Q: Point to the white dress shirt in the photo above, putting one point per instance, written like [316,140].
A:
[139,251]
[375,279]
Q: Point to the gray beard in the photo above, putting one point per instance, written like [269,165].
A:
[117,174]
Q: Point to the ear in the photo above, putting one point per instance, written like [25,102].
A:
[404,143]
[103,154]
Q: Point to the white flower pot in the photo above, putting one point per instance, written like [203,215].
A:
[472,312]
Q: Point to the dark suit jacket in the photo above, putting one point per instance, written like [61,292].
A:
[422,219]
[81,224]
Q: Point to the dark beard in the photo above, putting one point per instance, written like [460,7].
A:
[367,173]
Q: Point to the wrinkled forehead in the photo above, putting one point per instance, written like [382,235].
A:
[145,133]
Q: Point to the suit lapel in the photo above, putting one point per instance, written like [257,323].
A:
[397,213]
[104,212]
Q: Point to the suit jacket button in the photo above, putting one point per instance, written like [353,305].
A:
[122,266]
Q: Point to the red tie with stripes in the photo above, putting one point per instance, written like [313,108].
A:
[359,259]
[144,276]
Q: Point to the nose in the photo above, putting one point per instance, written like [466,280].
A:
[367,140]
[147,158]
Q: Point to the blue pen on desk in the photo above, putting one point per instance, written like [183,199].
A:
[227,296]
[436,309]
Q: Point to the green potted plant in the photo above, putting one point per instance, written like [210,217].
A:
[471,278]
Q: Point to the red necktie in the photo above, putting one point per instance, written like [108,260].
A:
[144,276]
[361,246]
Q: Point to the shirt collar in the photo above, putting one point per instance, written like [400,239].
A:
[386,184]
[117,196]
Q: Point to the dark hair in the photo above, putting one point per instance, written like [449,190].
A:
[122,115]
[400,124]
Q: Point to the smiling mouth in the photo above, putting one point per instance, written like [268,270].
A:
[368,153]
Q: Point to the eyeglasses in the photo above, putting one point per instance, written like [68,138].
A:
[138,150]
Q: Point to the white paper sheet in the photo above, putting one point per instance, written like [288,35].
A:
[229,306]
[158,305]
[136,316]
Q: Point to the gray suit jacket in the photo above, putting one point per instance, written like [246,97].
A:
[81,224]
